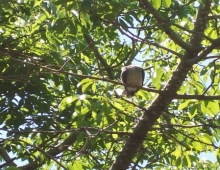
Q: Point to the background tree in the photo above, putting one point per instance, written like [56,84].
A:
[60,66]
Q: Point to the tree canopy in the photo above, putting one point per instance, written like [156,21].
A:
[60,67]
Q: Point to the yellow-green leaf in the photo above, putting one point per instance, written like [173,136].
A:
[210,107]
[66,102]
[183,105]
[166,3]
[156,4]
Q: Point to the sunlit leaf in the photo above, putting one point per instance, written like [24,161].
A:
[166,3]
[210,107]
[205,138]
[198,146]
[94,87]
[183,105]
[156,3]
[66,102]
[78,106]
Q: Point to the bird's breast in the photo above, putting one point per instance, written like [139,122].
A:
[134,78]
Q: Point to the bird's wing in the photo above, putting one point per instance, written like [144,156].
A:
[124,76]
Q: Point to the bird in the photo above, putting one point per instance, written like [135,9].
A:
[134,76]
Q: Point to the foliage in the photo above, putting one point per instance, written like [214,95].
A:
[60,67]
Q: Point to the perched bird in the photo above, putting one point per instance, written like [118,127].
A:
[134,76]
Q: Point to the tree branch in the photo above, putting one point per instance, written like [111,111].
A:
[197,97]
[165,25]
[189,126]
[150,117]
[200,25]
[52,152]
[99,58]
[134,37]
[54,71]
[197,139]
[205,52]
[7,159]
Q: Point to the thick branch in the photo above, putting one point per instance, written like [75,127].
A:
[200,25]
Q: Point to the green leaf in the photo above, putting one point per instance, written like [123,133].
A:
[210,107]
[61,25]
[206,138]
[199,87]
[78,106]
[85,20]
[37,2]
[86,4]
[183,105]
[186,161]
[84,81]
[191,90]
[156,3]
[123,23]
[157,76]
[66,102]
[166,3]
[114,136]
[178,162]
[118,106]
[198,146]
[84,110]
[94,87]
[193,111]
[86,86]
